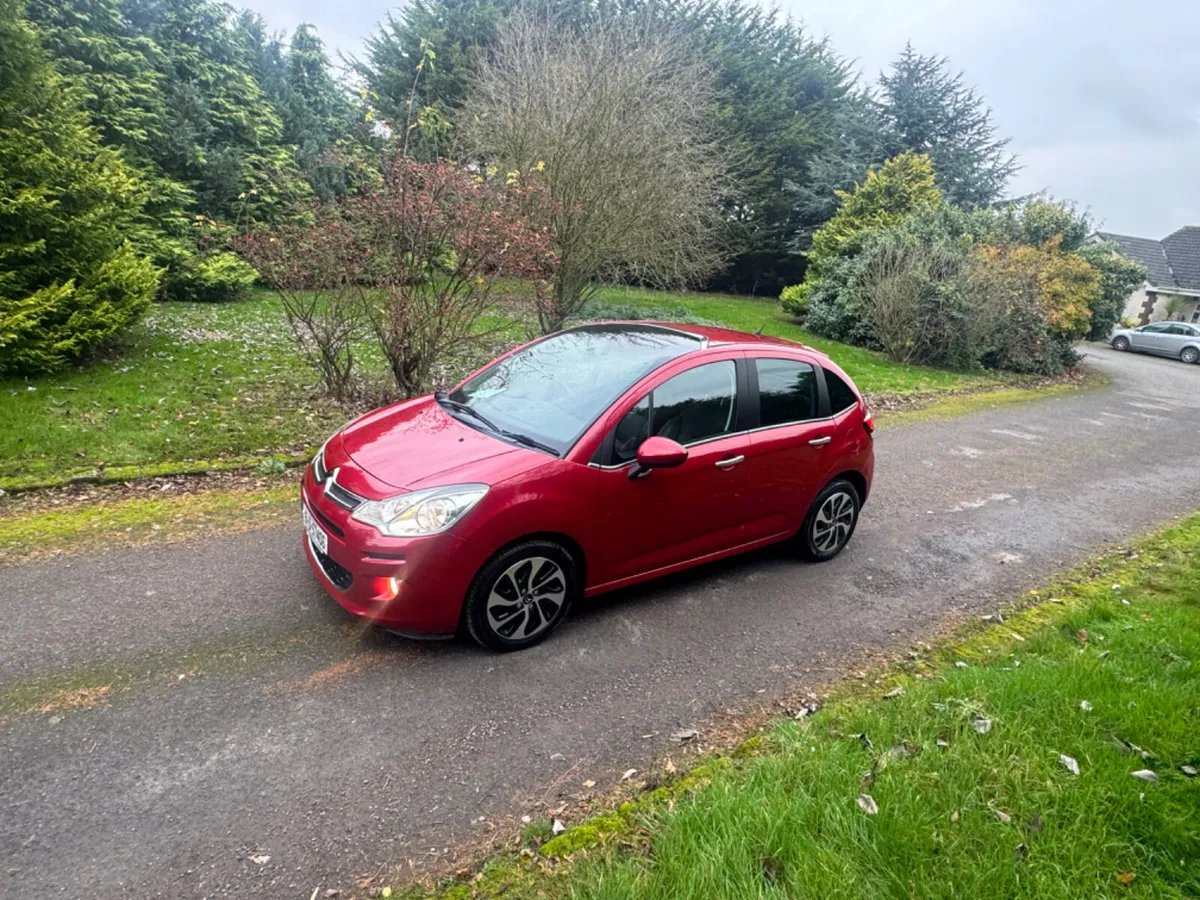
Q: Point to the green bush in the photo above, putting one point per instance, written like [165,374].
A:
[794,300]
[69,279]
[216,278]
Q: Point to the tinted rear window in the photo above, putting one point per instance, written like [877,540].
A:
[787,391]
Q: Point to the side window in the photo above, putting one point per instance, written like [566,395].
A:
[693,406]
[787,391]
[1156,328]
[841,395]
[1179,329]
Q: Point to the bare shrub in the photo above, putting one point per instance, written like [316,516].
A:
[617,119]
[412,262]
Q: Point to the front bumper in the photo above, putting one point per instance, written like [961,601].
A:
[414,586]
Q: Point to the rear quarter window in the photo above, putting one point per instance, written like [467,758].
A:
[841,395]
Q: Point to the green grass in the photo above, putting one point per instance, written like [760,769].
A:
[212,386]
[960,813]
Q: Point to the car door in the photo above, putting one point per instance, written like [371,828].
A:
[1176,338]
[1150,338]
[670,516]
[786,462]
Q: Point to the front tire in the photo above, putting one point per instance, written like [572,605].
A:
[521,595]
[830,521]
[1120,343]
[1190,355]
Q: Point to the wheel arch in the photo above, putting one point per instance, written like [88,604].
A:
[857,479]
[569,543]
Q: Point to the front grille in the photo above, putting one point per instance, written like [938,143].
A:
[341,577]
[318,467]
[339,495]
[329,524]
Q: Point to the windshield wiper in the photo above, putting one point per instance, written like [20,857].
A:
[458,406]
[529,442]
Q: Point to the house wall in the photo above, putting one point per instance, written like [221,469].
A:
[1135,307]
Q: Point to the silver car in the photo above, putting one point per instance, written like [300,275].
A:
[1178,340]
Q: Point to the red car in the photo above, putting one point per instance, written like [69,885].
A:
[588,460]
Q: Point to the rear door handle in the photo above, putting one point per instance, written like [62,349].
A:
[820,442]
[729,463]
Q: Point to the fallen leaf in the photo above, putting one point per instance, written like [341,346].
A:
[526,819]
[1017,636]
[557,827]
[589,783]
[867,804]
[981,724]
[684,735]
[866,741]
[1189,771]
[669,767]
[386,892]
[260,860]
[1069,763]
[942,743]
[1126,877]
[1002,815]
[1021,851]
[1082,635]
[959,664]
[1145,775]
[894,692]
[629,773]
[1085,706]
[954,816]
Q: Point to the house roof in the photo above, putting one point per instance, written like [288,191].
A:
[1173,262]
[1183,252]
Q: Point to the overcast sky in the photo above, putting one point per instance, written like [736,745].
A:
[1100,97]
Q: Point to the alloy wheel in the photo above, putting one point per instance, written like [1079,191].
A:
[526,598]
[833,522]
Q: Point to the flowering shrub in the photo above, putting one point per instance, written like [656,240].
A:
[411,260]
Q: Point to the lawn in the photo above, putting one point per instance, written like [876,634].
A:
[1051,756]
[200,386]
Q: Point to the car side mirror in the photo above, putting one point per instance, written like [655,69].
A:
[657,453]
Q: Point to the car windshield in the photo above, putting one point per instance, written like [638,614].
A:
[553,390]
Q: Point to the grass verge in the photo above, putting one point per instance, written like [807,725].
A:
[139,521]
[955,778]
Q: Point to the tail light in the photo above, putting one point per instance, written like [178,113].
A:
[868,421]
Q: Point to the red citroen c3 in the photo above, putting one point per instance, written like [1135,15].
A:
[585,461]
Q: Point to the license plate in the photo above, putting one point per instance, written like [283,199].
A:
[316,533]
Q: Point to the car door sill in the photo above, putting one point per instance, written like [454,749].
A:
[685,564]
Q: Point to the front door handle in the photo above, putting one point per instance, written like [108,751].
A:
[729,463]
[820,442]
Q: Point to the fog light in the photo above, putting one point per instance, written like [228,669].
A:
[386,589]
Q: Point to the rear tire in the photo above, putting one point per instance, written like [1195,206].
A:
[830,521]
[521,595]
[1120,343]
[1190,355]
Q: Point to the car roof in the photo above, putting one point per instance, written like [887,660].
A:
[705,335]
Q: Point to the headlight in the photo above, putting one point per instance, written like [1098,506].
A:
[422,512]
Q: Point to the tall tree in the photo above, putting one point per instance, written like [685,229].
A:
[69,280]
[928,109]
[778,96]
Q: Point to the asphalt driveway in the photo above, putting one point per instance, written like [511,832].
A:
[213,725]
